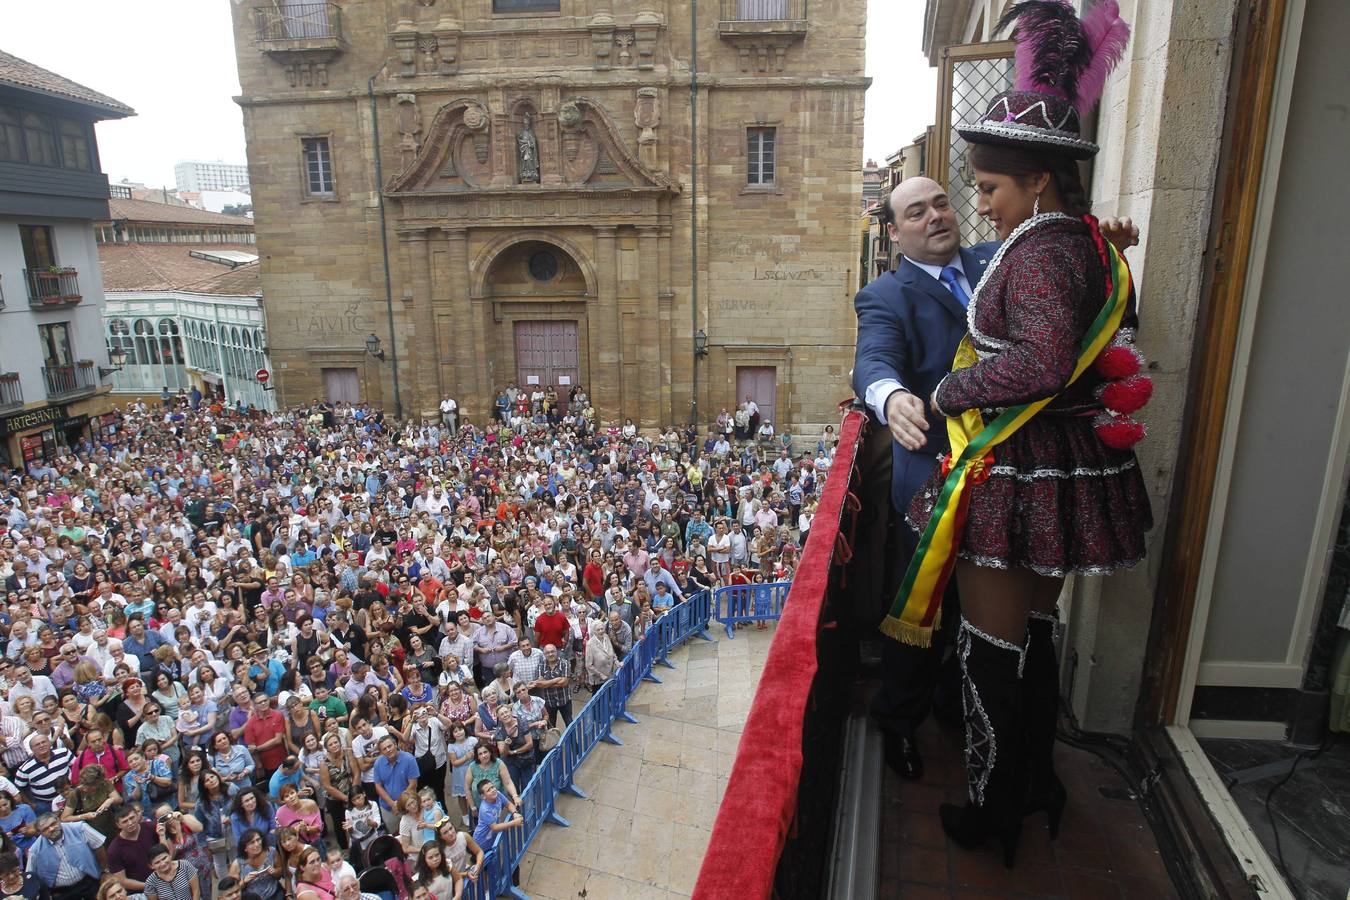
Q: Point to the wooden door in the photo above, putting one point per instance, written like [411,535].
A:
[547,353]
[341,386]
[761,383]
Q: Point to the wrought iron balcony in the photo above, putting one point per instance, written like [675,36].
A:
[762,16]
[52,287]
[762,31]
[11,392]
[302,37]
[69,379]
[298,26]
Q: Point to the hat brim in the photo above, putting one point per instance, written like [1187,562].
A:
[1009,134]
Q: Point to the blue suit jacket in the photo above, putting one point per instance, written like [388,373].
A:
[908,327]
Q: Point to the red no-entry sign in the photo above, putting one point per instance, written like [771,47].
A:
[262,375]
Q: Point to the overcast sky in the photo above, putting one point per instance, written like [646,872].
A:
[173,62]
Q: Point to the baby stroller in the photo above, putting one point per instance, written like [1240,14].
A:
[386,873]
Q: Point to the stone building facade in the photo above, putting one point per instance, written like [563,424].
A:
[566,199]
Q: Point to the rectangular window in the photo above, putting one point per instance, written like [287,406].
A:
[318,167]
[760,143]
[39,139]
[526,6]
[75,146]
[11,137]
[761,10]
[39,250]
[55,341]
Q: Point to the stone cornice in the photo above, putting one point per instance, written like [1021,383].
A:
[460,85]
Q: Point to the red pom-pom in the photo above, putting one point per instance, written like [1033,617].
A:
[1127,395]
[1118,361]
[1119,432]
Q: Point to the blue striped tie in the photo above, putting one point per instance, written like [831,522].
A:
[950,278]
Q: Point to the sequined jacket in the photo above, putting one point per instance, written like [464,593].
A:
[1042,291]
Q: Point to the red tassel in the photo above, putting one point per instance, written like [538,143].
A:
[1119,432]
[1119,361]
[1127,395]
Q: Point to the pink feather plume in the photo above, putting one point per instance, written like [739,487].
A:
[1107,34]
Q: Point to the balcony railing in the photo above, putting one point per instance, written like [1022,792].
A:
[11,392]
[763,10]
[68,380]
[52,287]
[282,24]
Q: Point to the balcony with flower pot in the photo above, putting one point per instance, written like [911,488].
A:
[52,287]
[68,380]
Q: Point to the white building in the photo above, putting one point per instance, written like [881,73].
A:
[212,338]
[196,175]
[53,359]
[184,302]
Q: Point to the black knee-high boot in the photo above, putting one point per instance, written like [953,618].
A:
[1040,706]
[991,672]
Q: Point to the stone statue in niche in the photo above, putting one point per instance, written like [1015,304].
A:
[409,124]
[527,153]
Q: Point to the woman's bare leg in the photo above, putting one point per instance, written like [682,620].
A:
[998,601]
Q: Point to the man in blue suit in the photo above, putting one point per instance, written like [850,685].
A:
[909,324]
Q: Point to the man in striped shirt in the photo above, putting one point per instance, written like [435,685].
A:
[12,750]
[40,777]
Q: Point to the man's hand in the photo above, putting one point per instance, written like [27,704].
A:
[904,416]
[1120,232]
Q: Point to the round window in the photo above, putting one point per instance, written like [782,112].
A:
[543,266]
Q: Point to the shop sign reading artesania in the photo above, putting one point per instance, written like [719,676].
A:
[32,419]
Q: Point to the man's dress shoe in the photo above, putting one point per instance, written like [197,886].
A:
[902,755]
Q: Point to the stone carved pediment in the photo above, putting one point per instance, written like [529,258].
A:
[456,151]
[584,148]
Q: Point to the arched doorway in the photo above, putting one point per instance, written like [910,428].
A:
[539,297]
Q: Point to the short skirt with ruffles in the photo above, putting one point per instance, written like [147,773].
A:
[1057,501]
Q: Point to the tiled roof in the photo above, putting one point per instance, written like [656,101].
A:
[150,211]
[22,74]
[170,267]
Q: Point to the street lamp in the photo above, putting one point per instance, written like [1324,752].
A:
[118,357]
[373,347]
[700,343]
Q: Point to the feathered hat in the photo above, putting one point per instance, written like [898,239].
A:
[1061,66]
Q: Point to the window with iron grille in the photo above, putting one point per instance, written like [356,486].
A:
[318,167]
[760,147]
[972,75]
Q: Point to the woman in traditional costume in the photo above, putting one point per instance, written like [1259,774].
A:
[1041,481]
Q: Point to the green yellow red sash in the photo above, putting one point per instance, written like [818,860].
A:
[918,604]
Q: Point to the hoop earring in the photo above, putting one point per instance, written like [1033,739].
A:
[1036,207]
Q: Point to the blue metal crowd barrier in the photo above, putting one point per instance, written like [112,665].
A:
[738,603]
[590,726]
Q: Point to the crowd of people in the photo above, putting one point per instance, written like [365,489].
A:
[319,653]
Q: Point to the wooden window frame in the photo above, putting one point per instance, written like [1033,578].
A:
[938,151]
[762,128]
[308,194]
